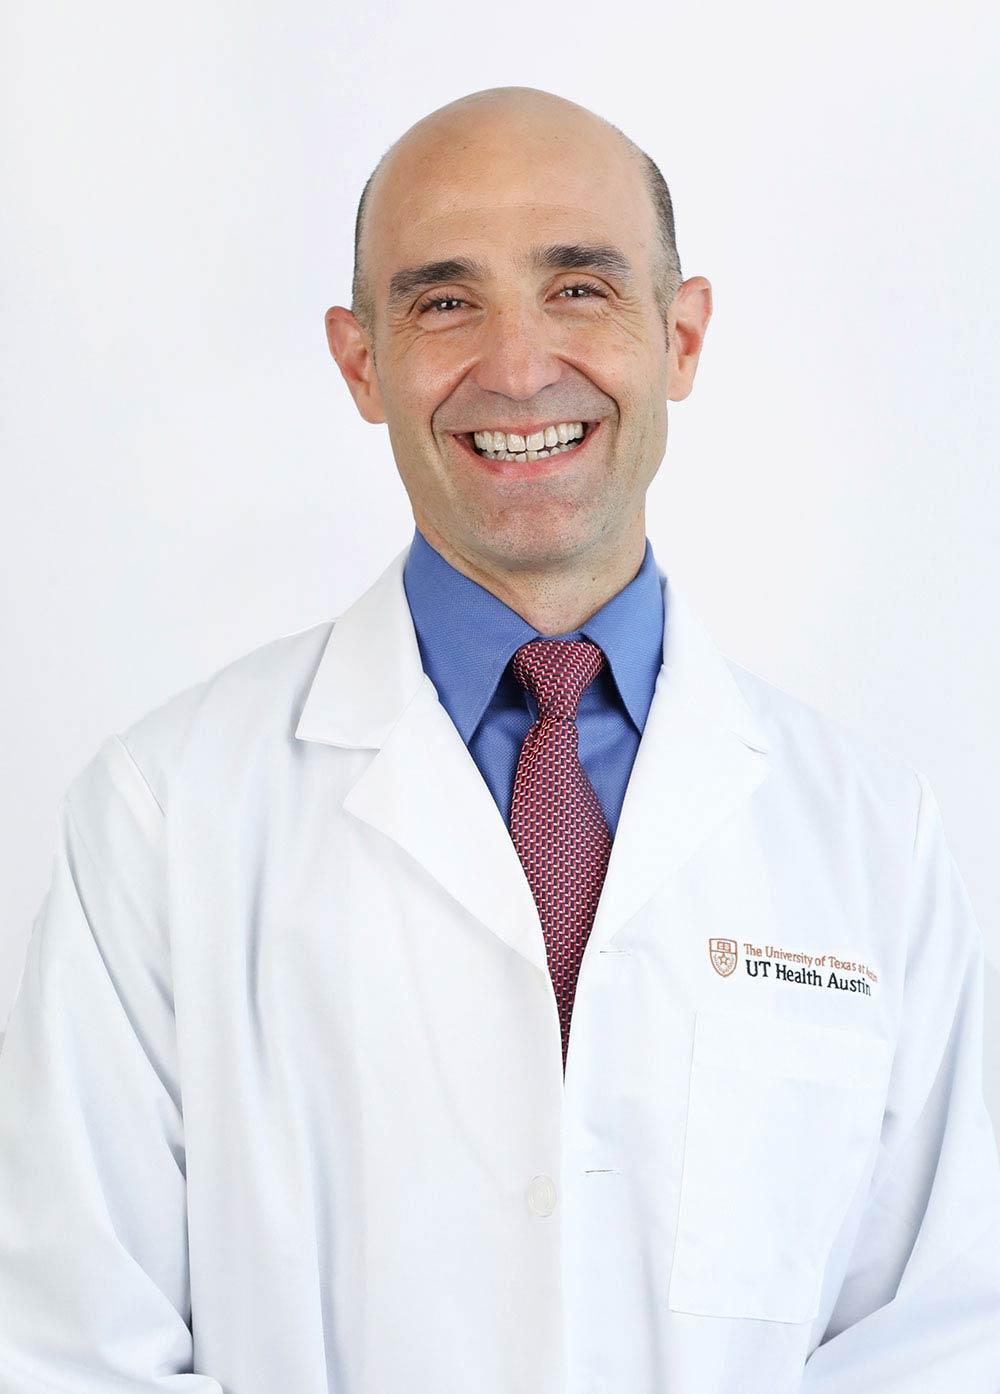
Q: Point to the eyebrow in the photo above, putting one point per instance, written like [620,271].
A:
[558,256]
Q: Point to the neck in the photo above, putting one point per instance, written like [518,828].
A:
[560,597]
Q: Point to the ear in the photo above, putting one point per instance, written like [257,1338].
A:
[689,315]
[352,350]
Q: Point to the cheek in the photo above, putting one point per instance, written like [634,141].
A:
[627,359]
[425,380]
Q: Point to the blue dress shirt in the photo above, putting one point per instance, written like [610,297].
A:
[467,637]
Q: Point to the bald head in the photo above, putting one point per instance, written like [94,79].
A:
[504,116]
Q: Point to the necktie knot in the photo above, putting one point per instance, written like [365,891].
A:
[556,672]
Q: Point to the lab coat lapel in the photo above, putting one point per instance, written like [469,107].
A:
[422,789]
[701,755]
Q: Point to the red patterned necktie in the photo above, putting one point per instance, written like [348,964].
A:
[556,821]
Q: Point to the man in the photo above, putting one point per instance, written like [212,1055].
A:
[497,989]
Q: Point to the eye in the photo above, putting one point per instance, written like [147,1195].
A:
[433,302]
[584,285]
[439,300]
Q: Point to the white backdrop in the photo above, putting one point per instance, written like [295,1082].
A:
[185,475]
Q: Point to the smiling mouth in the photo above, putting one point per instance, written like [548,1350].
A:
[582,430]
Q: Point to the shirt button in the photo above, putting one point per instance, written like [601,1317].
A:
[542,1194]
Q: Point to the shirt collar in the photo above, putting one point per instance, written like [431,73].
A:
[467,635]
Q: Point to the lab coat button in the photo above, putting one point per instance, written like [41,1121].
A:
[542,1194]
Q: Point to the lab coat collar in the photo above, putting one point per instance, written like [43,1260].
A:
[703,751]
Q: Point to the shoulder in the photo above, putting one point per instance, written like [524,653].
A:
[252,698]
[824,757]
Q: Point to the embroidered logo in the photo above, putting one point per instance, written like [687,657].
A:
[722,952]
[781,965]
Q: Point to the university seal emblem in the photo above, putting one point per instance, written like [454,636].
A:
[722,952]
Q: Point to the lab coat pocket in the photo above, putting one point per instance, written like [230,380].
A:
[782,1120]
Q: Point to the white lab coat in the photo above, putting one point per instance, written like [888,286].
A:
[281,1098]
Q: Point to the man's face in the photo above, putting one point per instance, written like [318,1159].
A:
[505,340]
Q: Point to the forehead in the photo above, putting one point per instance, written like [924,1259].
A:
[493,198]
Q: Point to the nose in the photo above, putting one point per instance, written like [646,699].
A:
[516,357]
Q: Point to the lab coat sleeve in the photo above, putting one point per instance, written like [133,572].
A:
[919,1309]
[94,1280]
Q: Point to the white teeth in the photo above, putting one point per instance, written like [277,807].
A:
[552,435]
[522,457]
